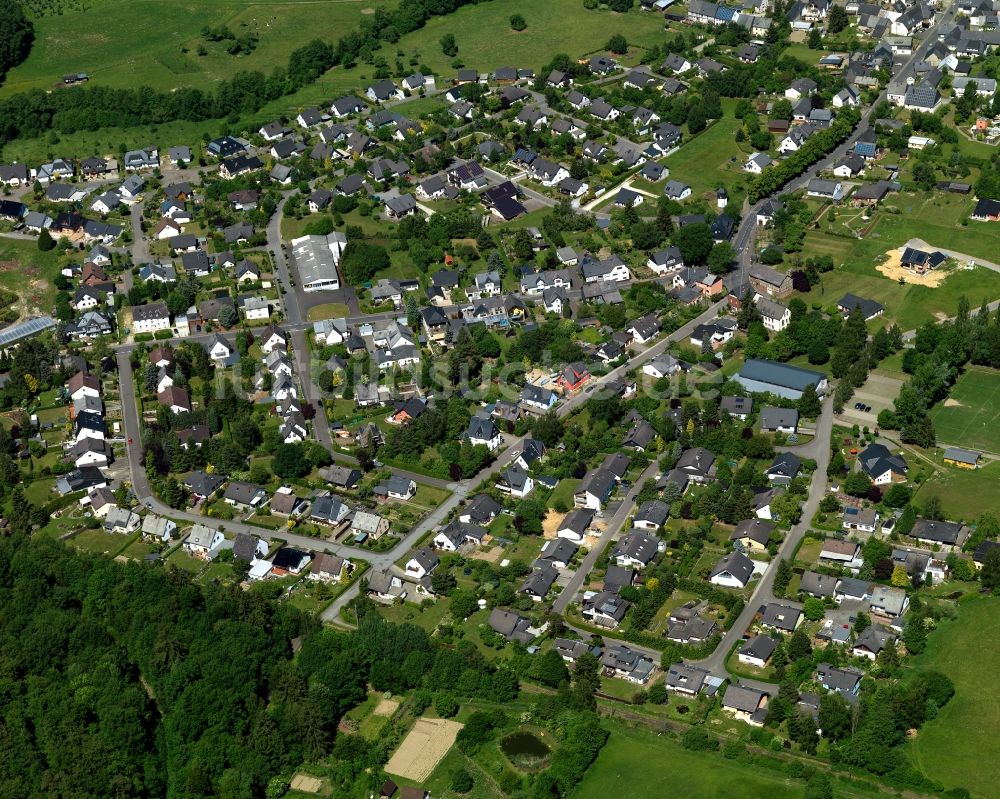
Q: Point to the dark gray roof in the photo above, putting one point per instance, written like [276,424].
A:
[781,617]
[637,546]
[655,511]
[780,374]
[755,529]
[760,647]
[743,699]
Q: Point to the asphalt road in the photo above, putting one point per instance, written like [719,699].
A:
[764,591]
[612,532]
[381,560]
[743,241]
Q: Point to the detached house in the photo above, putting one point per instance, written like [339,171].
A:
[881,465]
[594,489]
[732,571]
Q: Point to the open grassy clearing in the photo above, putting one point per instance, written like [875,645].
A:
[934,217]
[704,162]
[143,43]
[970,415]
[955,747]
[485,39]
[647,762]
[964,493]
[29,273]
[908,306]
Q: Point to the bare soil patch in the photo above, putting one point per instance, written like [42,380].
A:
[385,707]
[306,783]
[891,269]
[423,748]
[488,555]
[550,525]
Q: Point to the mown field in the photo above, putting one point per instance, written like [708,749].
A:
[153,43]
[957,748]
[970,417]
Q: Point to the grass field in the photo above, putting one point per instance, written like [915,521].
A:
[704,162]
[29,273]
[934,217]
[970,417]
[147,43]
[908,306]
[647,763]
[964,493]
[954,748]
[486,41]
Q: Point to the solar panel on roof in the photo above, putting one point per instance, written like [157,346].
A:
[25,329]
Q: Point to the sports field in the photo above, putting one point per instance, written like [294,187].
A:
[958,747]
[970,417]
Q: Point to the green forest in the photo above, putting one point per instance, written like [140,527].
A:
[126,680]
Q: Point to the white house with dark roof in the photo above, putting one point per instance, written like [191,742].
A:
[732,571]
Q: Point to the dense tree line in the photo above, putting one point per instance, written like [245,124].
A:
[816,147]
[940,352]
[16,36]
[31,370]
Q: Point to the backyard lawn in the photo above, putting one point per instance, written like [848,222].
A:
[563,492]
[955,747]
[715,146]
[99,542]
[970,415]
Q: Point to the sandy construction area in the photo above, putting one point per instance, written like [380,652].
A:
[423,748]
[550,524]
[306,783]
[385,707]
[892,270]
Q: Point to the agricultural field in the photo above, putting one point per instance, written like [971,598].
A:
[953,747]
[127,44]
[970,417]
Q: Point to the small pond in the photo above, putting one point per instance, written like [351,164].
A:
[525,749]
